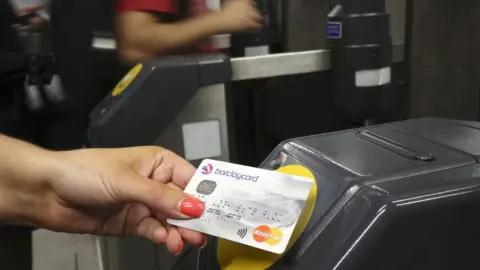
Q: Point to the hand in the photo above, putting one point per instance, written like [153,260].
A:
[129,191]
[35,22]
[240,15]
[28,9]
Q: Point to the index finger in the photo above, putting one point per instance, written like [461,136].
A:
[174,168]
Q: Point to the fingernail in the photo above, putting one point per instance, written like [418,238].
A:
[192,207]
[205,242]
[180,248]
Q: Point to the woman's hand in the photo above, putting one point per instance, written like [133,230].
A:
[128,191]
[239,15]
[37,21]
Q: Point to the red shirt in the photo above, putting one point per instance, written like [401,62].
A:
[167,7]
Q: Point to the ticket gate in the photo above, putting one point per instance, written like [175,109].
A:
[397,196]
[182,104]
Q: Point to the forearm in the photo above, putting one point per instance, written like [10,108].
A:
[25,172]
[161,38]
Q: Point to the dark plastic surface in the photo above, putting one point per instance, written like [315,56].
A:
[362,41]
[214,69]
[459,135]
[372,191]
[154,98]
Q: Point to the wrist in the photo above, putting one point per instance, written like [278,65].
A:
[26,175]
[216,23]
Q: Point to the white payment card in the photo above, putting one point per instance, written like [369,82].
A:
[251,206]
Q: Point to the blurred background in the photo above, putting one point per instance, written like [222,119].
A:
[69,63]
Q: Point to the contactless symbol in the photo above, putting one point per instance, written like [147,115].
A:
[207,169]
[206,187]
[242,232]
[265,234]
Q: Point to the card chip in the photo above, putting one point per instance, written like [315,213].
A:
[206,187]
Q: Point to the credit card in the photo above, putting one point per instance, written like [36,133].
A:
[251,206]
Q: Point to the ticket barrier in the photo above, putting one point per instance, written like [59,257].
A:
[181,103]
[397,196]
[403,195]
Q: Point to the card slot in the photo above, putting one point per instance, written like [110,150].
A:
[394,146]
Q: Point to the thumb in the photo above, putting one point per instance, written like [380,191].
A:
[160,198]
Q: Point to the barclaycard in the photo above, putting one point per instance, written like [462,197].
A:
[251,206]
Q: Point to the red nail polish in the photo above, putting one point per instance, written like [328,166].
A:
[192,207]
[180,248]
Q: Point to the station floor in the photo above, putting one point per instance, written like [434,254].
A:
[59,251]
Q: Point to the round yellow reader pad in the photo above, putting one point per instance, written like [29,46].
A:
[235,256]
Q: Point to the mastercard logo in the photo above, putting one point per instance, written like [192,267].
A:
[265,234]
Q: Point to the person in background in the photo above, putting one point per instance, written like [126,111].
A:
[35,22]
[15,241]
[146,28]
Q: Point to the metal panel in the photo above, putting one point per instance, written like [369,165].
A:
[397,11]
[305,24]
[274,65]
[208,104]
